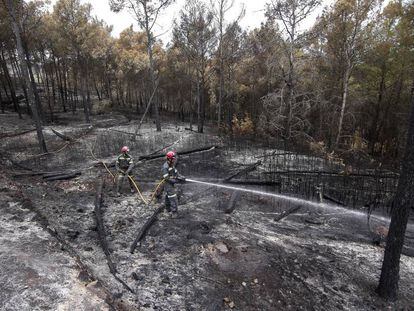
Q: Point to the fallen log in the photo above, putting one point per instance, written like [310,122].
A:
[329,198]
[102,235]
[204,192]
[62,136]
[44,174]
[124,132]
[232,203]
[314,221]
[14,134]
[61,173]
[29,174]
[182,152]
[284,214]
[162,149]
[89,129]
[190,151]
[20,165]
[44,222]
[244,171]
[201,151]
[100,226]
[145,227]
[63,177]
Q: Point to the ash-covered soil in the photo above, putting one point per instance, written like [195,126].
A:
[317,258]
[37,273]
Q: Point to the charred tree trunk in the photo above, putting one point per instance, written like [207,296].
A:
[284,214]
[52,79]
[23,65]
[97,90]
[182,152]
[347,76]
[65,82]
[2,104]
[62,176]
[290,87]
[232,203]
[75,90]
[101,228]
[10,84]
[38,103]
[60,83]
[199,108]
[221,63]
[46,80]
[5,89]
[146,110]
[143,231]
[83,89]
[374,131]
[246,170]
[154,83]
[110,95]
[403,202]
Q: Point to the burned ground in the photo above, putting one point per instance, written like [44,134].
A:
[319,257]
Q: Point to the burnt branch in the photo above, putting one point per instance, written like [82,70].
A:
[143,231]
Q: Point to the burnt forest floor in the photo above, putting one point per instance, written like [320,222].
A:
[320,257]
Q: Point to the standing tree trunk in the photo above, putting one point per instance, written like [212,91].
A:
[48,96]
[25,73]
[374,130]
[2,104]
[199,108]
[83,87]
[290,81]
[17,73]
[85,100]
[75,89]
[96,89]
[65,82]
[33,84]
[10,85]
[221,69]
[59,81]
[52,79]
[221,91]
[152,76]
[403,201]
[347,75]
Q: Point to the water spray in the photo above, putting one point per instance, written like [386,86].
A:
[258,192]
[286,198]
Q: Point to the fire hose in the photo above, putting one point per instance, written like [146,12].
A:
[136,187]
[132,180]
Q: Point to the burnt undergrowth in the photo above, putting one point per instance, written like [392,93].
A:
[208,258]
